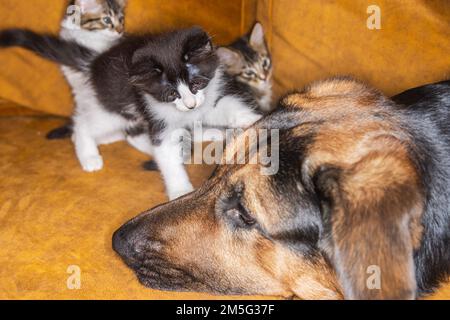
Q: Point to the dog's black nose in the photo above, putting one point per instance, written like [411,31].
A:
[123,240]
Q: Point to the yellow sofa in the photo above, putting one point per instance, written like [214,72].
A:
[53,215]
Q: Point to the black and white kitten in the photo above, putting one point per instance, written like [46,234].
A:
[94,24]
[249,61]
[144,90]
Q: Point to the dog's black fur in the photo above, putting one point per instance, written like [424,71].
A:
[427,109]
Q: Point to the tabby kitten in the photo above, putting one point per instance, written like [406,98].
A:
[146,90]
[248,60]
[94,24]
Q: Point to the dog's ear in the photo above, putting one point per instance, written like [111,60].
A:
[371,212]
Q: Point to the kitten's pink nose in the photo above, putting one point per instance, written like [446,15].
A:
[120,29]
[190,102]
[188,98]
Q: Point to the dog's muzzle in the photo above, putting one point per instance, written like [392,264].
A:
[125,242]
[144,255]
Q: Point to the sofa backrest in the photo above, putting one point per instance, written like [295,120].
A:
[309,40]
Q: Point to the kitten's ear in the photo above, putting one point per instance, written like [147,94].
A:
[229,58]
[198,44]
[371,213]
[208,47]
[89,6]
[122,3]
[257,39]
[142,70]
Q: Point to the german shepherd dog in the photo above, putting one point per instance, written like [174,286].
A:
[363,190]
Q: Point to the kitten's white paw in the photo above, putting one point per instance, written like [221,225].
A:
[174,194]
[92,163]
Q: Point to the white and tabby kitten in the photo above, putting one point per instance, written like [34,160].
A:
[144,90]
[248,59]
[96,25]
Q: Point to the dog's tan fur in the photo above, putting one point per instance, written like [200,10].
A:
[358,161]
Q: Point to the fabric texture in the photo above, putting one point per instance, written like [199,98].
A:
[312,40]
[53,215]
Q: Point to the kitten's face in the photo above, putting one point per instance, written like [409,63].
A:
[100,15]
[248,59]
[257,72]
[175,68]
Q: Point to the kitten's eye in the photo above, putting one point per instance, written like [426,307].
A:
[266,63]
[249,74]
[157,71]
[197,85]
[172,96]
[107,20]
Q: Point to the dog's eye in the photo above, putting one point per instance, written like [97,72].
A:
[241,217]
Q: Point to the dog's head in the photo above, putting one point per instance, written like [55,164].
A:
[339,218]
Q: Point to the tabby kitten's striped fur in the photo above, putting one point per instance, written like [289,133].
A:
[96,25]
[248,60]
[92,15]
